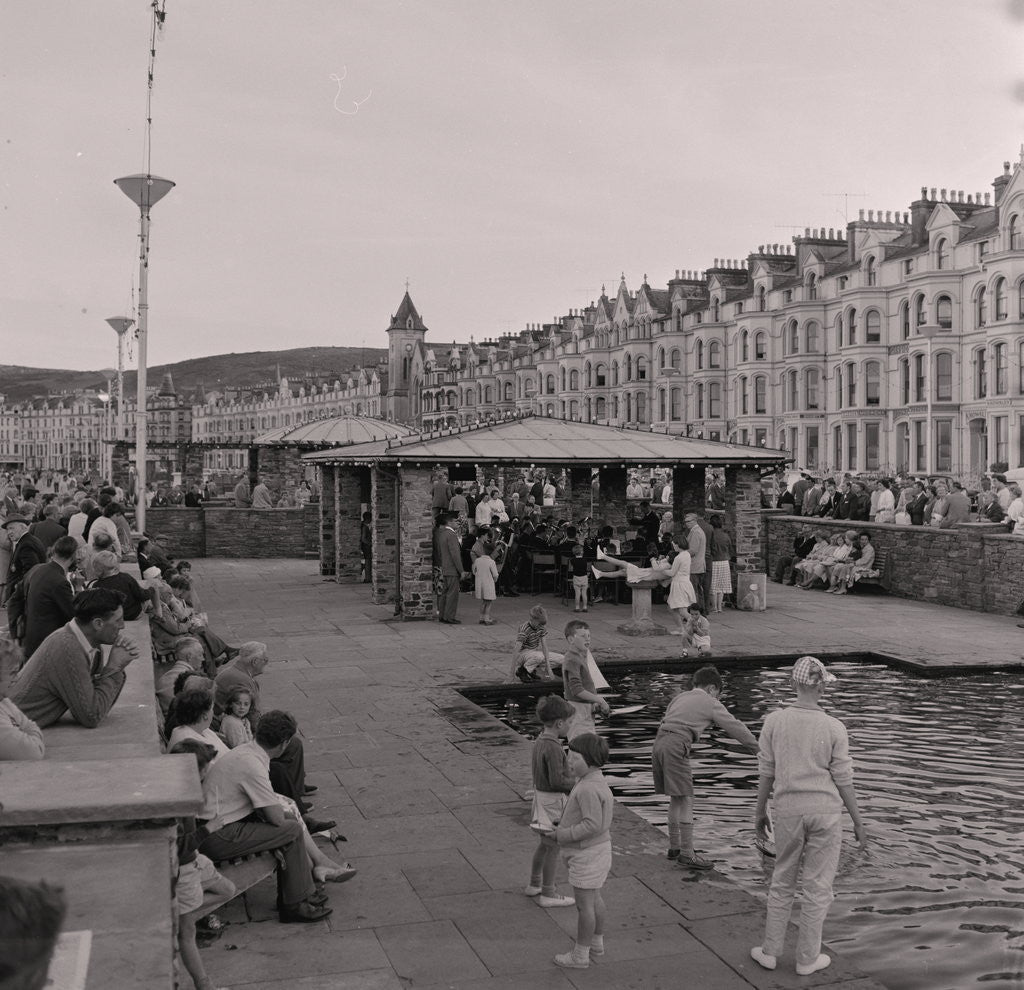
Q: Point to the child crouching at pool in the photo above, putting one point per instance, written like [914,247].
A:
[552,783]
[584,836]
[688,715]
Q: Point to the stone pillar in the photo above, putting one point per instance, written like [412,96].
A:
[579,494]
[610,509]
[416,540]
[743,511]
[642,624]
[328,522]
[687,492]
[348,491]
[383,492]
[119,465]
[280,468]
[191,459]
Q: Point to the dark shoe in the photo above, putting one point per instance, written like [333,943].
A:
[673,854]
[454,622]
[310,789]
[320,898]
[304,913]
[524,675]
[316,826]
[512,594]
[305,807]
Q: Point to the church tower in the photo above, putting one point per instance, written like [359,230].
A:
[405,336]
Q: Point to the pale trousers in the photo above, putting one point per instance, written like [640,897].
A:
[813,843]
[532,659]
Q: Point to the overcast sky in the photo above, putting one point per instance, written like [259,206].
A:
[506,157]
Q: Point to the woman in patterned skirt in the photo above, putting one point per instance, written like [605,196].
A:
[721,557]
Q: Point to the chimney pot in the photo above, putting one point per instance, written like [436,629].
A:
[942,193]
[861,214]
[924,192]
[807,231]
[933,197]
[1006,168]
[988,197]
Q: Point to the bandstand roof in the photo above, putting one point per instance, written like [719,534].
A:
[337,431]
[544,440]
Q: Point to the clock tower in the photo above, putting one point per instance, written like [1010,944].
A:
[405,336]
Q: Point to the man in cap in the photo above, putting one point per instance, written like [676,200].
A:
[805,767]
[448,557]
[698,544]
[26,550]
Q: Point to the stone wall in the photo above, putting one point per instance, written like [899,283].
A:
[975,565]
[416,543]
[383,495]
[217,532]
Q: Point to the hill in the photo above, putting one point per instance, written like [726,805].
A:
[18,383]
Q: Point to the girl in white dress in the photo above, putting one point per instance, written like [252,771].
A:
[680,592]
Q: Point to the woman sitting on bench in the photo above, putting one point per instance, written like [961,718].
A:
[845,576]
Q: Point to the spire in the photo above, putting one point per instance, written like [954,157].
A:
[407,311]
[167,386]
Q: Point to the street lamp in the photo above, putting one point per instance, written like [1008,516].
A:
[144,191]
[120,325]
[105,448]
[929,333]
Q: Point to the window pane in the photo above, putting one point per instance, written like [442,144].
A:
[944,377]
[943,445]
[851,447]
[871,457]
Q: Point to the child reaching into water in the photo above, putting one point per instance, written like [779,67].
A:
[235,726]
[552,783]
[584,836]
[698,632]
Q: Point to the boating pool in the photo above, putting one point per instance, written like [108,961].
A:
[936,901]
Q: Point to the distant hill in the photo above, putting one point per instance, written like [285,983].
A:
[18,383]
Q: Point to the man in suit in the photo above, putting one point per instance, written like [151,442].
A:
[49,530]
[448,555]
[44,597]
[68,673]
[26,550]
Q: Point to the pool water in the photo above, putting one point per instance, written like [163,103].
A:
[936,900]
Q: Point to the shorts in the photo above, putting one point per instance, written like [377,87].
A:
[580,581]
[192,879]
[702,642]
[588,868]
[670,763]
[582,721]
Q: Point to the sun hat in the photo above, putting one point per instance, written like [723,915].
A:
[151,572]
[810,670]
[14,517]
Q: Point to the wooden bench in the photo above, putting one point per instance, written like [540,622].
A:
[883,580]
[247,871]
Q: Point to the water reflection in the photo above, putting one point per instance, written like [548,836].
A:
[936,900]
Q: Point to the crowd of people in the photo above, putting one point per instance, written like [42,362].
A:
[69,590]
[906,501]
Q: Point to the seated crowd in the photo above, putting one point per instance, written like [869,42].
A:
[65,659]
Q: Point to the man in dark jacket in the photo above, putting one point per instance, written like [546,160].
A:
[26,553]
[49,531]
[45,597]
[803,544]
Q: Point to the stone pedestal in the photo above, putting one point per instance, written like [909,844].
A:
[383,498]
[642,624]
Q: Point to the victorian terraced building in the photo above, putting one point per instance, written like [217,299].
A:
[815,348]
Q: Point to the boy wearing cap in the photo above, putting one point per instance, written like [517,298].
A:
[531,648]
[805,767]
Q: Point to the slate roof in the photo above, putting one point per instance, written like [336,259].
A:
[338,431]
[545,440]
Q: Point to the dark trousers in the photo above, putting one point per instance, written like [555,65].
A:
[705,586]
[697,580]
[295,880]
[449,604]
[288,771]
[367,553]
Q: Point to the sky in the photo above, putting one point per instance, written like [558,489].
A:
[508,159]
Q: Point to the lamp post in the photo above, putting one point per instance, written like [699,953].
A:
[929,333]
[120,325]
[144,191]
[105,456]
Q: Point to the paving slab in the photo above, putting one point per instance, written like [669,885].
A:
[431,793]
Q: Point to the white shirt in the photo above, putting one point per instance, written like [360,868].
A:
[483,512]
[1016,510]
[886,501]
[76,526]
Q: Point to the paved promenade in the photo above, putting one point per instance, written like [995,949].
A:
[431,795]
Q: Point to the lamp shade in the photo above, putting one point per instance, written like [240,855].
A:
[120,324]
[144,190]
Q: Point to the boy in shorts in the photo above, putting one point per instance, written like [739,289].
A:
[584,836]
[531,652]
[805,760]
[689,714]
[578,685]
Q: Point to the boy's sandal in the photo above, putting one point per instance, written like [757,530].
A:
[694,861]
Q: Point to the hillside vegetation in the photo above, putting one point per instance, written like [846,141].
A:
[18,383]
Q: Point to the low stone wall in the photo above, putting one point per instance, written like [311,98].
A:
[973,565]
[229,532]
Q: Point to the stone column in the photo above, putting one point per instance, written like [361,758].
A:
[328,522]
[610,509]
[743,511]
[687,492]
[416,541]
[119,465]
[280,468]
[383,490]
[191,460]
[348,491]
[642,624]
[579,494]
